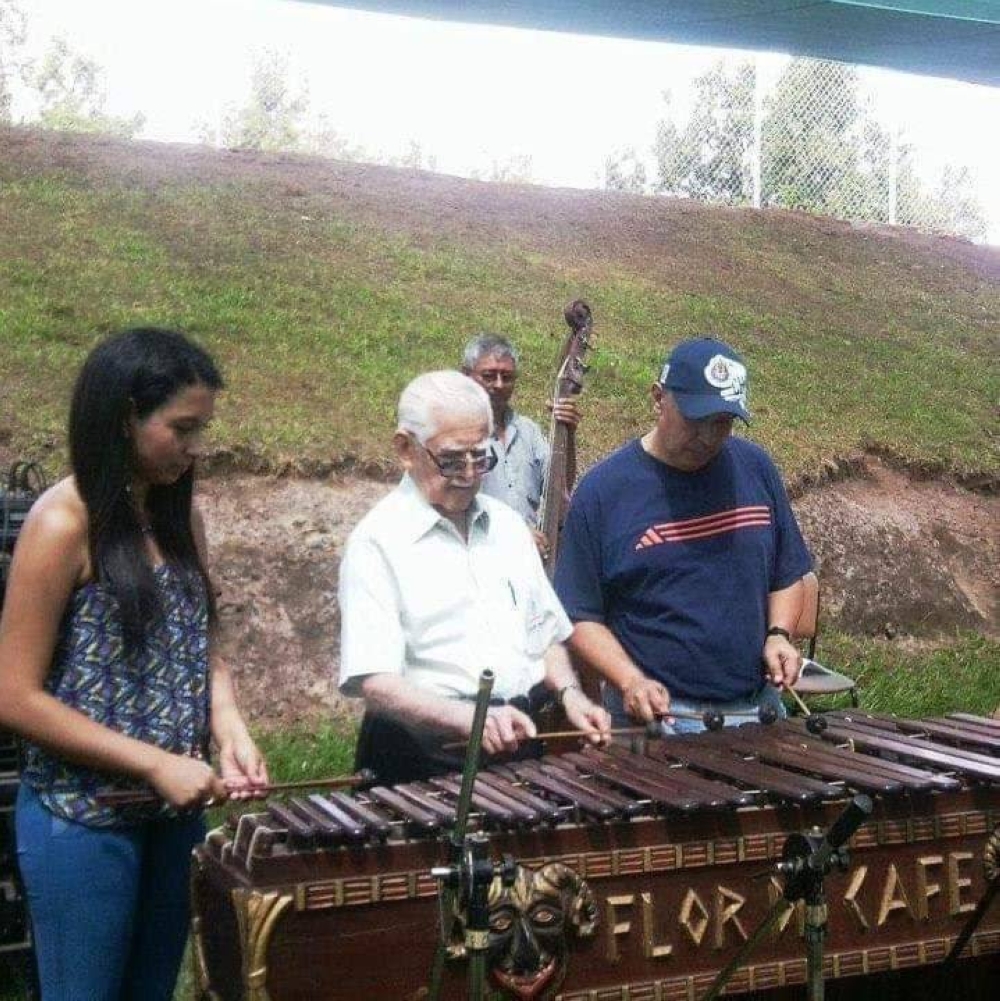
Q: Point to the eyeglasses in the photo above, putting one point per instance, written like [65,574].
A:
[492,375]
[453,464]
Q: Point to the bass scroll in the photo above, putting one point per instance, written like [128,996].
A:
[569,382]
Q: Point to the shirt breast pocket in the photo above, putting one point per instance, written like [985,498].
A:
[514,618]
[536,632]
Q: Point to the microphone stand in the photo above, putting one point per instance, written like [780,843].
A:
[806,859]
[466,880]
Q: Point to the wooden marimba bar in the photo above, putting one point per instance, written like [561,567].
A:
[676,844]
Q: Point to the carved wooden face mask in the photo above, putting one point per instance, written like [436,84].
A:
[530,922]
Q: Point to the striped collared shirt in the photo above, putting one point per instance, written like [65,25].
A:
[519,476]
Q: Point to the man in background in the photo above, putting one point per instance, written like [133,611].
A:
[522,450]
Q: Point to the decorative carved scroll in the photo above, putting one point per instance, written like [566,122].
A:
[257,913]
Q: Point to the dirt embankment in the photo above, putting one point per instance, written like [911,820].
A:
[900,557]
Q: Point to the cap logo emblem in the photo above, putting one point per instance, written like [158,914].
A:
[729,377]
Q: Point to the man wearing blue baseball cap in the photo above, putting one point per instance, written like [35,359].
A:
[680,563]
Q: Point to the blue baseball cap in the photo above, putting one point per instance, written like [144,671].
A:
[706,377]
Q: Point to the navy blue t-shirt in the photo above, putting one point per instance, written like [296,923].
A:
[679,565]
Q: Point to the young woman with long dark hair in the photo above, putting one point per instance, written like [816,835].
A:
[109,671]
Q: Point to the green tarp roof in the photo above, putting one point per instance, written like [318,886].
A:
[952,38]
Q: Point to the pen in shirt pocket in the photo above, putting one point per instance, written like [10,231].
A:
[513,593]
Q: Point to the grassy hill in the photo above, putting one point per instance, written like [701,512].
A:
[323,287]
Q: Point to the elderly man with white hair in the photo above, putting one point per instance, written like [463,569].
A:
[438,583]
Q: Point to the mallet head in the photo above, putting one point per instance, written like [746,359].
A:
[767,715]
[816,724]
[713,720]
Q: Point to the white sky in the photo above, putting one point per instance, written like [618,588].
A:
[468,94]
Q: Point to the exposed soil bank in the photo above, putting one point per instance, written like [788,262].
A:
[909,559]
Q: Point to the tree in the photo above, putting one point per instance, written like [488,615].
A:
[515,169]
[812,138]
[13,32]
[71,95]
[277,118]
[822,150]
[951,207]
[413,157]
[710,158]
[272,118]
[324,140]
[625,171]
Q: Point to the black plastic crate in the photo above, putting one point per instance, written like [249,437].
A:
[25,481]
[14,932]
[8,752]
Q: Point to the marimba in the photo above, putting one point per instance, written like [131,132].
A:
[663,855]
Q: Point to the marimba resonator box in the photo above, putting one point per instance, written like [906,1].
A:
[642,871]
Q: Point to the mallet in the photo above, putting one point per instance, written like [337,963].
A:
[130,797]
[710,719]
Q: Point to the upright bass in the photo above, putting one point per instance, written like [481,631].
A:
[569,382]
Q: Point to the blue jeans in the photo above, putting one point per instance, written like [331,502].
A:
[766,695]
[109,908]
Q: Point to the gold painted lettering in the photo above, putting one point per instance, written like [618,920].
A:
[728,903]
[774,891]
[649,947]
[613,925]
[851,897]
[957,882]
[926,889]
[894,896]
[695,927]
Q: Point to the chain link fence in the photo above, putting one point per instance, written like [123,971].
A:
[822,136]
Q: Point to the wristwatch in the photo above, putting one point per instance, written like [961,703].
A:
[778,631]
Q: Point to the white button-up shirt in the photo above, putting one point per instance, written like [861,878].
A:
[418,600]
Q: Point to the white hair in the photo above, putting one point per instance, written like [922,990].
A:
[433,396]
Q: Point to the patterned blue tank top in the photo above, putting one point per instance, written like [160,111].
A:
[159,695]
